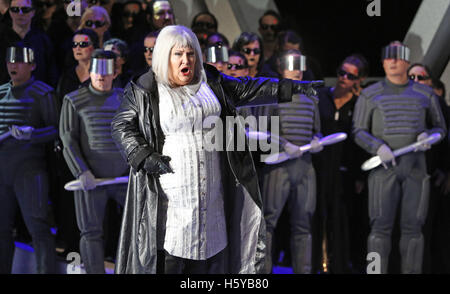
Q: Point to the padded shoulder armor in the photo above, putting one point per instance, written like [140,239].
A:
[4,89]
[40,89]
[314,99]
[422,89]
[373,90]
[79,97]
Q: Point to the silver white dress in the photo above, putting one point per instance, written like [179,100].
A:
[195,225]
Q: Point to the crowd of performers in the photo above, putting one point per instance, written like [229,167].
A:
[119,92]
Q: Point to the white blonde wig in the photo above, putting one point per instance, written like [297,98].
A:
[175,36]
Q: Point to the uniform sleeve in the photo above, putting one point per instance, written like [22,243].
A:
[316,126]
[49,112]
[362,119]
[69,131]
[126,133]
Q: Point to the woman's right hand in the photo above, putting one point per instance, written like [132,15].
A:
[157,164]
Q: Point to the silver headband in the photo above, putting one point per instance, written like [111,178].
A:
[395,52]
[17,54]
[216,54]
[291,62]
[102,66]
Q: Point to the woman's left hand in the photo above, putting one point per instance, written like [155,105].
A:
[157,164]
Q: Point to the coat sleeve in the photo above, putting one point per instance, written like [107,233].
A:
[126,132]
[69,131]
[247,91]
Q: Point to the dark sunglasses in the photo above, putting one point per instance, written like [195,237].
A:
[349,76]
[147,49]
[419,77]
[24,9]
[68,1]
[81,44]
[205,25]
[265,27]
[256,51]
[97,23]
[236,66]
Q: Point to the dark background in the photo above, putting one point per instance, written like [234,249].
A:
[332,30]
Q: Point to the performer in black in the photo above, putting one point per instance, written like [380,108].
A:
[28,111]
[91,153]
[341,221]
[391,114]
[84,42]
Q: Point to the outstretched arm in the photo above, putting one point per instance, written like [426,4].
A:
[247,91]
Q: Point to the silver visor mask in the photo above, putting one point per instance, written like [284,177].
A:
[102,66]
[293,62]
[17,54]
[395,52]
[216,54]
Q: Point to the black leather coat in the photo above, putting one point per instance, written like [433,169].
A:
[137,132]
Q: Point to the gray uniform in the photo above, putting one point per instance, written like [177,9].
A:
[23,172]
[85,129]
[395,115]
[293,181]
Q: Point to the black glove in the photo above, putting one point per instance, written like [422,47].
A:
[157,164]
[307,87]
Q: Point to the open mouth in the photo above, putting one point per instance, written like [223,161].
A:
[185,71]
[13,72]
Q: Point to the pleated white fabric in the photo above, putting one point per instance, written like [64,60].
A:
[195,225]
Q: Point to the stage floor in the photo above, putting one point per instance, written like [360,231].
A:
[25,263]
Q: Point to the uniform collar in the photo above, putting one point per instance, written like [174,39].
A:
[23,86]
[100,93]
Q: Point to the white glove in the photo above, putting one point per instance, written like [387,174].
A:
[292,150]
[87,180]
[422,147]
[22,132]
[386,155]
[315,145]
